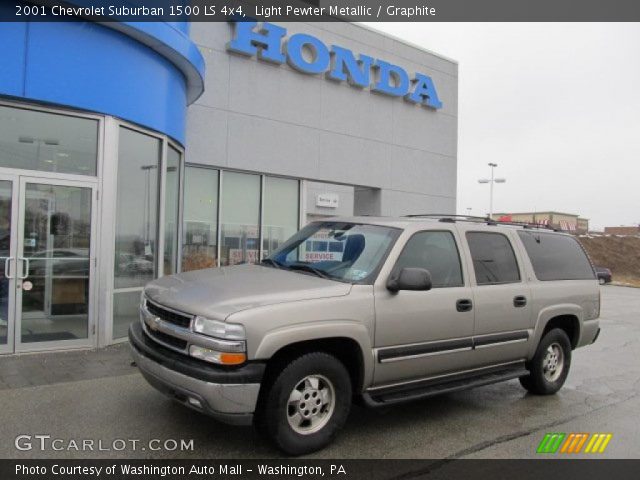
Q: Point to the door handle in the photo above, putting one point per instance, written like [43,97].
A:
[519,301]
[464,305]
[25,268]
[7,267]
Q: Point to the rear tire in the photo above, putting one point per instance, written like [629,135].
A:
[550,365]
[307,403]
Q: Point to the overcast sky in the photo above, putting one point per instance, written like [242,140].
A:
[556,106]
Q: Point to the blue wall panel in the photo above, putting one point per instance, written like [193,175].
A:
[12,48]
[182,26]
[99,69]
[106,70]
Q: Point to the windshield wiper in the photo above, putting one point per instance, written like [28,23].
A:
[270,261]
[309,268]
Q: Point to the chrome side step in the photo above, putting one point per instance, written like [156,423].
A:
[453,383]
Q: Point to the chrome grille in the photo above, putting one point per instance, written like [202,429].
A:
[168,340]
[172,329]
[166,326]
[171,316]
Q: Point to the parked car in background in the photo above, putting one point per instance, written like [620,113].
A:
[603,274]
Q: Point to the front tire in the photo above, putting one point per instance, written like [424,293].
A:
[307,403]
[550,365]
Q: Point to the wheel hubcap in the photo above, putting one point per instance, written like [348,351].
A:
[311,404]
[553,362]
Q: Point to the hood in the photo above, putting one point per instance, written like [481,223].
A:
[219,292]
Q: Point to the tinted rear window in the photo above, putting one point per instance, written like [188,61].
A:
[556,257]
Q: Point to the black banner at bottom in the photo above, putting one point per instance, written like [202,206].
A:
[546,469]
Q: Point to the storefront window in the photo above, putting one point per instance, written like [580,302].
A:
[240,215]
[280,212]
[47,142]
[200,230]
[136,222]
[171,211]
[125,311]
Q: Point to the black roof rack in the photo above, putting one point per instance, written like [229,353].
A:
[444,217]
[448,217]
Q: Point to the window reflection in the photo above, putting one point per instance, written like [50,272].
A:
[172,191]
[200,231]
[56,242]
[5,243]
[47,142]
[125,312]
[136,223]
[281,214]
[240,217]
[136,209]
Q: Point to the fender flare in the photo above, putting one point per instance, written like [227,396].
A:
[278,339]
[547,314]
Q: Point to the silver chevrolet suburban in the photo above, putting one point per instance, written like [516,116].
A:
[378,310]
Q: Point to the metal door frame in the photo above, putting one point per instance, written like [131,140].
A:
[10,263]
[18,242]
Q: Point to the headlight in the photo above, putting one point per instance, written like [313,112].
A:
[228,340]
[217,329]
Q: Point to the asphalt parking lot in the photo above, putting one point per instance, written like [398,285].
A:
[497,421]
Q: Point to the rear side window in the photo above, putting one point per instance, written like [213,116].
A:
[436,252]
[556,257]
[493,258]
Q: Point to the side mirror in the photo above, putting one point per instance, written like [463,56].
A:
[410,279]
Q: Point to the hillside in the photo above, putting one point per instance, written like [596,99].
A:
[619,254]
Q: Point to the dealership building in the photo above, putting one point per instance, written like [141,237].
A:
[569,222]
[130,151]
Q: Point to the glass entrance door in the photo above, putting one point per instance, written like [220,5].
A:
[45,287]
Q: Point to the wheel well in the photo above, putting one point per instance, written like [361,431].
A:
[569,323]
[344,349]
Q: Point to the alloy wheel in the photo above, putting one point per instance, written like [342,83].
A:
[311,404]
[553,362]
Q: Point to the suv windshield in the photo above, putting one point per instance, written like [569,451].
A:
[347,252]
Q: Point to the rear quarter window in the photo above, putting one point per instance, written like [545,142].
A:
[556,257]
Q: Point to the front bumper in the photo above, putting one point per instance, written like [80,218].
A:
[229,395]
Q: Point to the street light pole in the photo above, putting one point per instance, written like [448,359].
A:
[491,182]
[492,165]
